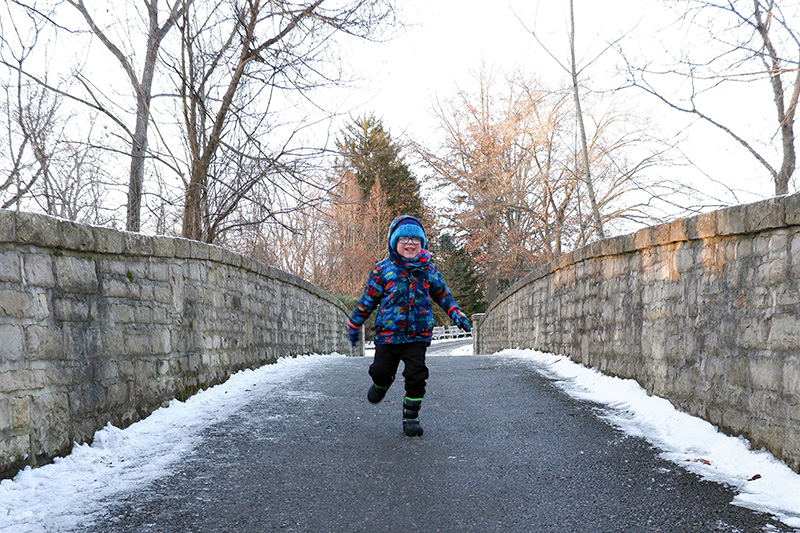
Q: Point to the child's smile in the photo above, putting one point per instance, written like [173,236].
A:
[408,250]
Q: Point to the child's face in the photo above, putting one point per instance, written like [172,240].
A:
[408,249]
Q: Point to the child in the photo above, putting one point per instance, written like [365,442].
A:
[403,285]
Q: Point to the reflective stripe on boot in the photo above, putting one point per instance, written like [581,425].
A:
[411,425]
[376,393]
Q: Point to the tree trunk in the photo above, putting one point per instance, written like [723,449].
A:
[598,221]
[143,90]
[786,112]
[193,206]
[138,152]
[193,215]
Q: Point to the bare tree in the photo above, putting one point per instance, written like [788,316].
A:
[141,80]
[486,167]
[27,129]
[571,68]
[239,64]
[587,169]
[75,183]
[60,175]
[48,163]
[293,238]
[28,112]
[142,84]
[750,41]
[513,172]
[239,60]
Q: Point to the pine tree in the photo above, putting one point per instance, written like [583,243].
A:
[461,276]
[368,151]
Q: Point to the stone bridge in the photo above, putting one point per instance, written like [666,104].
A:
[703,311]
[100,326]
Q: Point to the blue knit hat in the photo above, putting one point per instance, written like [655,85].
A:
[408,227]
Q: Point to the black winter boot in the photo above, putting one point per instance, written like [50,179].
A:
[411,426]
[376,392]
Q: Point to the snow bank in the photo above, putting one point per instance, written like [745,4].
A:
[58,497]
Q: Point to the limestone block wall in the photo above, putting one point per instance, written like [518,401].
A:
[100,326]
[703,311]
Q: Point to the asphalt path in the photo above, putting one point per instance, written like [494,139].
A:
[503,450]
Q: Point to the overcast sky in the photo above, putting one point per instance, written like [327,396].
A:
[447,40]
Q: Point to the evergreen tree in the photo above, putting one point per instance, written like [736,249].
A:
[461,276]
[373,186]
[368,151]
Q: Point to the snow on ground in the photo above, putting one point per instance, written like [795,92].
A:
[461,350]
[56,497]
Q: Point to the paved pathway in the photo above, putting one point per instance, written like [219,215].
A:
[503,450]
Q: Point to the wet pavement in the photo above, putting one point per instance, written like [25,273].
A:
[503,450]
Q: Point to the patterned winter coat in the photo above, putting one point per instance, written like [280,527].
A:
[402,291]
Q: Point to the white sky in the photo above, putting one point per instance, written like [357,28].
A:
[59,496]
[448,39]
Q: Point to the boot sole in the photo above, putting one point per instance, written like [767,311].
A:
[375,398]
[413,431]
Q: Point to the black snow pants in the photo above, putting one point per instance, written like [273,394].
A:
[387,359]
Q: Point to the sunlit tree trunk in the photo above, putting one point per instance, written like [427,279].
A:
[587,174]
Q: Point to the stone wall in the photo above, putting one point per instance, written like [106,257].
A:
[703,311]
[100,326]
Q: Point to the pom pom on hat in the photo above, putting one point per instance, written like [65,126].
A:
[408,227]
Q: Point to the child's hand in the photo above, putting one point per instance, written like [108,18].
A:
[461,320]
[353,334]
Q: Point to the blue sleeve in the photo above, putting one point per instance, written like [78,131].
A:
[370,299]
